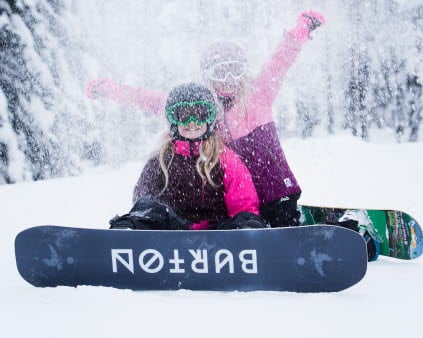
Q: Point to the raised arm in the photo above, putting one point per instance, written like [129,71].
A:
[269,81]
[148,100]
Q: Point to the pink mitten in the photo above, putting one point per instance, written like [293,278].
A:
[100,88]
[307,22]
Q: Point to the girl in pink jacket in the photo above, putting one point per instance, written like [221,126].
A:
[194,181]
[247,126]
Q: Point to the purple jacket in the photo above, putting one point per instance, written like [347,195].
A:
[192,199]
[262,153]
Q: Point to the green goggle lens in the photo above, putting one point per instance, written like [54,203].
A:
[183,113]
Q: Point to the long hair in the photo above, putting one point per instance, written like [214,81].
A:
[211,149]
[241,100]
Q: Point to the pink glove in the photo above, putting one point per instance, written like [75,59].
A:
[101,88]
[307,22]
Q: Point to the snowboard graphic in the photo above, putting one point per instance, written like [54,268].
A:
[318,258]
[400,234]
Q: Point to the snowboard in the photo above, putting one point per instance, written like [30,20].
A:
[399,233]
[318,258]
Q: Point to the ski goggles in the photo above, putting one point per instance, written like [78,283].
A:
[183,113]
[221,71]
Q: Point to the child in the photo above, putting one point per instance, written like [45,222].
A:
[194,182]
[247,126]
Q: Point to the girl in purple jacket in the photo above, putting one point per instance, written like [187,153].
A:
[247,126]
[194,181]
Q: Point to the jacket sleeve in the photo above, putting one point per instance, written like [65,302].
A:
[150,182]
[240,194]
[270,79]
[145,99]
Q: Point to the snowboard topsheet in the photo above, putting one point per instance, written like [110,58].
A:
[318,258]
[400,234]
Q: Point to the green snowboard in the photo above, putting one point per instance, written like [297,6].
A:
[399,233]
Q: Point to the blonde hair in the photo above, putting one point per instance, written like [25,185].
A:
[210,151]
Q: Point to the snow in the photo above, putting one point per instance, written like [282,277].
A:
[59,46]
[157,44]
[334,171]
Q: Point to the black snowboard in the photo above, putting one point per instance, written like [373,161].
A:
[317,258]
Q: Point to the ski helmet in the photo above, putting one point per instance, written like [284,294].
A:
[222,53]
[180,102]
